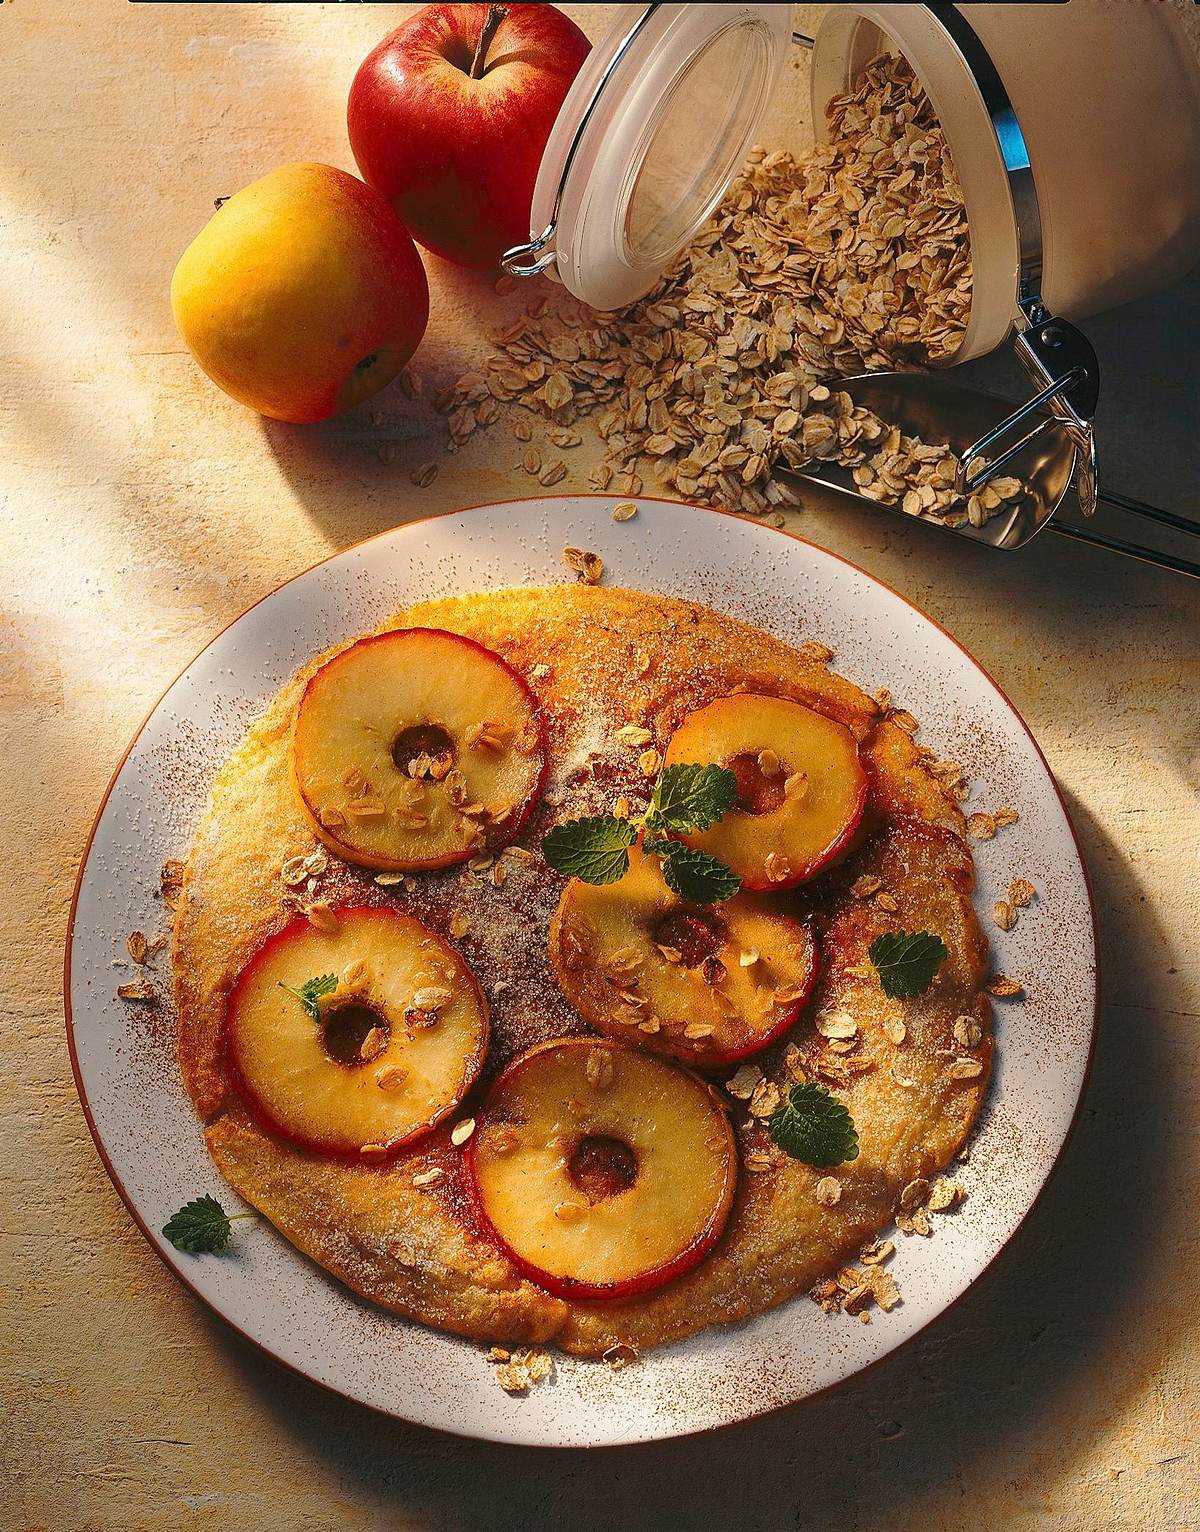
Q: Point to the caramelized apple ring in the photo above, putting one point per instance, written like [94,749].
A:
[415,749]
[602,1170]
[399,1041]
[705,983]
[801,786]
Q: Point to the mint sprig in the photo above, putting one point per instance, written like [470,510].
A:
[686,798]
[312,992]
[690,797]
[814,1127]
[694,875]
[906,962]
[201,1226]
[594,849]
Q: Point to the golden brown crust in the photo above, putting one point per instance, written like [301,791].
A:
[615,657]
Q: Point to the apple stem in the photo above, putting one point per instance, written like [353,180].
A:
[495,15]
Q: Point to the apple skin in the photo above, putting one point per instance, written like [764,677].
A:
[458,157]
[572,1287]
[520,814]
[302,295]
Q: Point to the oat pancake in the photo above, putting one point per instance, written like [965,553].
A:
[597,659]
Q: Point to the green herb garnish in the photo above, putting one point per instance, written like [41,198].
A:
[685,798]
[814,1127]
[201,1225]
[596,850]
[694,875]
[906,962]
[690,798]
[312,992]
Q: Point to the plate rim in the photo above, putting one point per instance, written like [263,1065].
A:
[754,1414]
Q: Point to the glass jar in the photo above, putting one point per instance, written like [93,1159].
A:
[1075,132]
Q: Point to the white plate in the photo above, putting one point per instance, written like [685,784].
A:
[150,1140]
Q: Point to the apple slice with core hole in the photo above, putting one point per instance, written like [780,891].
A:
[416,749]
[399,1043]
[706,983]
[603,1171]
[801,786]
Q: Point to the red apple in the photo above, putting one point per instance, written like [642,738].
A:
[449,115]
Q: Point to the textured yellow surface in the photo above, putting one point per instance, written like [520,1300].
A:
[140,510]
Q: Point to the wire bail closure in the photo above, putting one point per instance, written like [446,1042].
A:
[517,261]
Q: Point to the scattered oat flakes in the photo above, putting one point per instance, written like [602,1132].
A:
[137,989]
[967,1031]
[916,1222]
[137,946]
[854,258]
[624,510]
[836,1024]
[171,882]
[981,826]
[1002,987]
[1004,914]
[598,1068]
[1006,815]
[320,914]
[428,1177]
[1021,892]
[649,762]
[876,1252]
[389,879]
[914,1194]
[945,1195]
[894,1030]
[828,1191]
[459,925]
[539,1365]
[741,1085]
[462,1131]
[764,1099]
[865,886]
[424,474]
[513,1380]
[620,1356]
[587,565]
[964,1069]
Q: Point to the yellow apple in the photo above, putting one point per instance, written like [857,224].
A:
[302,295]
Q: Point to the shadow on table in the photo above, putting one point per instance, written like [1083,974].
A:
[1059,1328]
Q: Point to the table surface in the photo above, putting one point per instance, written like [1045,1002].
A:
[140,510]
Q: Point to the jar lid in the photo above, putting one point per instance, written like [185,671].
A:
[654,128]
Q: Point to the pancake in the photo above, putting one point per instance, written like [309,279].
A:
[598,659]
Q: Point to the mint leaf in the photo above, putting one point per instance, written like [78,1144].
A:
[200,1225]
[311,993]
[691,798]
[906,962]
[596,850]
[694,875]
[814,1127]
